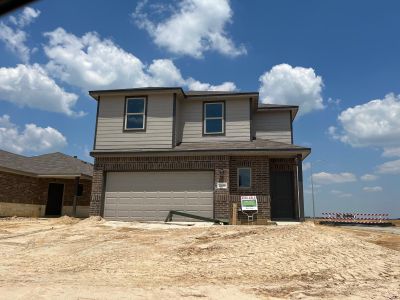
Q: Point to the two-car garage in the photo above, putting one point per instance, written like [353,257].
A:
[149,196]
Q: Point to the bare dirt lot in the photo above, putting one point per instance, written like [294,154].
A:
[92,259]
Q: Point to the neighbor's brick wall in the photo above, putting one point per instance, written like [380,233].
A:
[19,189]
[224,168]
[69,190]
[16,188]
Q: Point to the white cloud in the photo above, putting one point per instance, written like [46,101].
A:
[369,177]
[32,138]
[163,72]
[195,27]
[90,62]
[30,85]
[328,178]
[25,18]
[391,152]
[375,123]
[372,189]
[285,84]
[196,85]
[15,39]
[306,166]
[389,167]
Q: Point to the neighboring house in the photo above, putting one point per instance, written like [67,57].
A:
[162,149]
[44,185]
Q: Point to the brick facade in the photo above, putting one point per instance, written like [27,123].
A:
[19,189]
[224,167]
[22,189]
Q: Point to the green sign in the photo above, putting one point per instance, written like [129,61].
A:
[249,203]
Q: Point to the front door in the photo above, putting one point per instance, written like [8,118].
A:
[54,199]
[282,195]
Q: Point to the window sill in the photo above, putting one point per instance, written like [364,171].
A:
[213,134]
[134,130]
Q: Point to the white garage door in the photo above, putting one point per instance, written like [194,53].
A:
[149,196]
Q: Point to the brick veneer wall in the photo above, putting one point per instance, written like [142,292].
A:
[19,189]
[31,190]
[69,190]
[224,168]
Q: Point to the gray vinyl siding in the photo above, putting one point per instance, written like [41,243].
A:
[273,125]
[158,133]
[237,125]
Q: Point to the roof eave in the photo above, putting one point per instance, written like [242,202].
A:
[94,94]
[303,151]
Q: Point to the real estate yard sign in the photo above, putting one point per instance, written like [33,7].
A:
[249,203]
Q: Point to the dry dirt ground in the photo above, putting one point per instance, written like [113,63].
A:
[67,258]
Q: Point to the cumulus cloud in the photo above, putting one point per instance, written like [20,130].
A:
[329,178]
[90,62]
[285,84]
[33,138]
[375,123]
[196,26]
[15,40]
[196,85]
[369,177]
[30,85]
[26,17]
[14,37]
[389,167]
[372,189]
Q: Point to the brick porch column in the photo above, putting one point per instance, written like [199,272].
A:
[97,191]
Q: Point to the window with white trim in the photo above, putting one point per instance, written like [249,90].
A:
[244,178]
[213,122]
[135,114]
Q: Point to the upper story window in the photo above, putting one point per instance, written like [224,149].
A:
[214,122]
[135,113]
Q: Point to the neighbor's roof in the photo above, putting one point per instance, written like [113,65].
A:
[46,165]
[262,146]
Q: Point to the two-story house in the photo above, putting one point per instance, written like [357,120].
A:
[162,149]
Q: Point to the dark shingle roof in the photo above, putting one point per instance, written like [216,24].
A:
[250,146]
[253,145]
[47,164]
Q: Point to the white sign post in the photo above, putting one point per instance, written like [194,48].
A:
[249,206]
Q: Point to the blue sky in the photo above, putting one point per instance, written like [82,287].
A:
[331,57]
